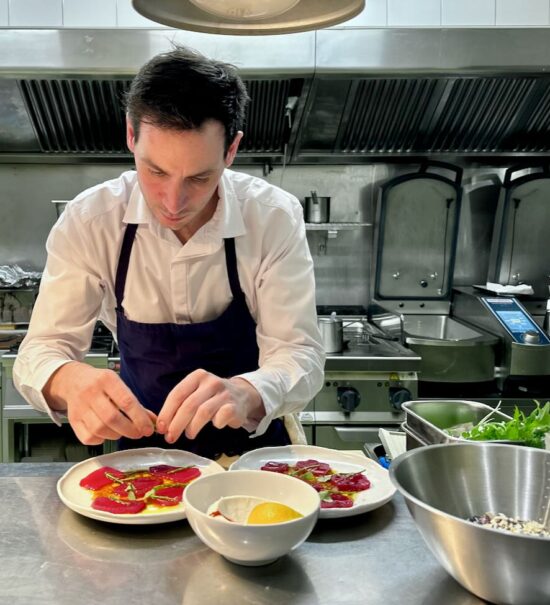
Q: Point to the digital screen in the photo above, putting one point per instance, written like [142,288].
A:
[516,321]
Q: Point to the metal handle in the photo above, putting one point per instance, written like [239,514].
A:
[544,168]
[457,170]
[400,316]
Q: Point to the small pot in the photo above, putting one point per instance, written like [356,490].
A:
[317,209]
[332,333]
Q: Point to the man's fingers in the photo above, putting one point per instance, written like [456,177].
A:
[205,413]
[109,416]
[226,416]
[198,399]
[125,401]
[179,394]
[187,394]
[91,430]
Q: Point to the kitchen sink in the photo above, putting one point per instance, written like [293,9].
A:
[427,328]
[451,350]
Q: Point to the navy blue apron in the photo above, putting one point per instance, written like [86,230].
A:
[154,357]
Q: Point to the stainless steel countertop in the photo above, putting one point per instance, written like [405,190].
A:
[51,555]
[375,355]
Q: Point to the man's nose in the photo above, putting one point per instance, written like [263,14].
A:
[174,199]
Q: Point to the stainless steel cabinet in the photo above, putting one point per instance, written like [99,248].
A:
[347,437]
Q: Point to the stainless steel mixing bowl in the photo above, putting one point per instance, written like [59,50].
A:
[446,484]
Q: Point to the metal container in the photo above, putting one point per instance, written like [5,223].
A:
[451,351]
[429,419]
[59,206]
[332,333]
[317,209]
[413,440]
[444,485]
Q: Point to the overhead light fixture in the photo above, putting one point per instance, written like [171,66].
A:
[249,17]
[247,10]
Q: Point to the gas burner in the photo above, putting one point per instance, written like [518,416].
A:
[341,309]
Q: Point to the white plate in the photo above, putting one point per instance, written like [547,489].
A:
[380,491]
[80,499]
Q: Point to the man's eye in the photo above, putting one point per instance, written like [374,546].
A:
[199,179]
[157,172]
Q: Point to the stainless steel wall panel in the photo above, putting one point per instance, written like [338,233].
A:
[344,265]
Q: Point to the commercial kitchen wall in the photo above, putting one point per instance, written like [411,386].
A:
[377,13]
[343,264]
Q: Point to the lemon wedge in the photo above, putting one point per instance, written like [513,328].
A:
[272,512]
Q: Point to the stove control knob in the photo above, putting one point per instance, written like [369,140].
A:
[398,396]
[348,398]
[531,337]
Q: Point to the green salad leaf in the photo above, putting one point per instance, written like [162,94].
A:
[530,429]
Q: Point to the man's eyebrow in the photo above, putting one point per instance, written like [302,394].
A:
[152,164]
[206,172]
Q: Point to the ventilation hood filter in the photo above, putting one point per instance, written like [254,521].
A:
[249,17]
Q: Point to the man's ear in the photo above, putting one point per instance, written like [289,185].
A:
[130,135]
[232,151]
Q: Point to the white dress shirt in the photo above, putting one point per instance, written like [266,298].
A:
[169,282]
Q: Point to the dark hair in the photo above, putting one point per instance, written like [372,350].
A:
[181,89]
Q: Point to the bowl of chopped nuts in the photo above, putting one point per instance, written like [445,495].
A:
[483,509]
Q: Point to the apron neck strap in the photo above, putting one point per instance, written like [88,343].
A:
[123,262]
[231,265]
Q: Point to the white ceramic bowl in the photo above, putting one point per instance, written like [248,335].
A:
[251,544]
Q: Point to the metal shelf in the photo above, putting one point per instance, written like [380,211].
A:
[335,226]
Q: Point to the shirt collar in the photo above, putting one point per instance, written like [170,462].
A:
[137,211]
[232,216]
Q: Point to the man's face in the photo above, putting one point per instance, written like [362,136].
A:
[179,171]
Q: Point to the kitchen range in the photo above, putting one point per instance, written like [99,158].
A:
[365,383]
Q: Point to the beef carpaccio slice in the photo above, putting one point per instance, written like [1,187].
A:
[337,490]
[118,507]
[132,491]
[98,478]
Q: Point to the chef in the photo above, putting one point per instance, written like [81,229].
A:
[202,274]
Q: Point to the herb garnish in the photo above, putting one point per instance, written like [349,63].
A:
[530,430]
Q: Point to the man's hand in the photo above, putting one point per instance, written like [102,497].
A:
[98,404]
[202,397]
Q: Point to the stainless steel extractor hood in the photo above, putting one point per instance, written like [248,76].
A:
[334,96]
[406,92]
[61,90]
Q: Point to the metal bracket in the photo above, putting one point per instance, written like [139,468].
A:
[267,168]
